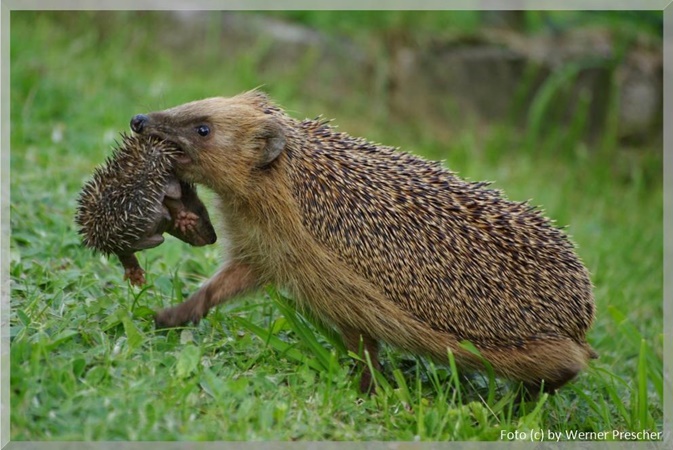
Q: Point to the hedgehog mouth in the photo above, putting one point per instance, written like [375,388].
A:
[181,155]
[182,158]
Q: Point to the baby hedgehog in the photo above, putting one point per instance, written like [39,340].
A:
[380,244]
[134,198]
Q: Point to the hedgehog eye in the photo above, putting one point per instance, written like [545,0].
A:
[203,130]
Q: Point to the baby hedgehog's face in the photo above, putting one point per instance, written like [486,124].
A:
[224,140]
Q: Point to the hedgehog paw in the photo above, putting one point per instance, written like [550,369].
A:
[177,316]
[135,275]
[186,221]
[132,270]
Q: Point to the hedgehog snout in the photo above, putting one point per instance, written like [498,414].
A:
[138,122]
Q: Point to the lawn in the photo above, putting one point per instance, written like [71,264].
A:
[87,363]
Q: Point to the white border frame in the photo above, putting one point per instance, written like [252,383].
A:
[6,6]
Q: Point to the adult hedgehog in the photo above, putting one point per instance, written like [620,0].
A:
[382,245]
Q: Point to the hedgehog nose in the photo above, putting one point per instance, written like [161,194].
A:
[138,122]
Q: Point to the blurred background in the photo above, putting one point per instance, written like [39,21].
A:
[560,107]
[593,74]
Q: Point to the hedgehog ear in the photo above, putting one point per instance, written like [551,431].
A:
[273,142]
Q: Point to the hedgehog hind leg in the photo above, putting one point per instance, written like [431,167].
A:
[561,360]
[544,363]
[552,384]
[132,270]
[360,342]
[189,218]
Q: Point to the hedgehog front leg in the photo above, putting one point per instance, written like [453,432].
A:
[359,342]
[233,279]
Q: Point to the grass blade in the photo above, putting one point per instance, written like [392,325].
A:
[642,415]
[278,344]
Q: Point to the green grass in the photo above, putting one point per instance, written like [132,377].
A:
[87,364]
